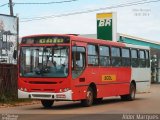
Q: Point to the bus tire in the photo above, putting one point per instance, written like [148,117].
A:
[97,100]
[89,98]
[131,95]
[47,103]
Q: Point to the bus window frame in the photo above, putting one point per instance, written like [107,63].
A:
[92,65]
[148,64]
[116,57]
[135,58]
[109,48]
[44,45]
[142,59]
[85,61]
[126,57]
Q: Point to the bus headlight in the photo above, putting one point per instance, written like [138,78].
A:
[23,89]
[66,89]
[60,90]
[63,90]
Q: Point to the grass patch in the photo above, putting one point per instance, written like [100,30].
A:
[12,99]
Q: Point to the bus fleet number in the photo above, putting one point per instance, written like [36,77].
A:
[108,77]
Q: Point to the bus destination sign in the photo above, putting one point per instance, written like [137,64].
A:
[46,40]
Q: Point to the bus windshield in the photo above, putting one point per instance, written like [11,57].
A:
[46,61]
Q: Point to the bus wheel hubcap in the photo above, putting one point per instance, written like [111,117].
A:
[133,93]
[89,96]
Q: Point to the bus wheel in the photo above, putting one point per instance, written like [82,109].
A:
[131,95]
[47,103]
[97,100]
[89,98]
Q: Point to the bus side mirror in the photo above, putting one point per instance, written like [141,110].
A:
[15,54]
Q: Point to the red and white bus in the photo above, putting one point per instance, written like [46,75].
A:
[55,67]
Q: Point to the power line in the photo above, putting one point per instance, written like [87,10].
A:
[45,3]
[3,5]
[89,11]
[79,12]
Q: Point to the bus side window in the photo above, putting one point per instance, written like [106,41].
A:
[116,56]
[134,58]
[93,55]
[126,57]
[104,55]
[78,61]
[147,59]
[142,62]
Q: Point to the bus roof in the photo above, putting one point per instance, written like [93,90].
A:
[97,41]
[77,38]
[137,46]
[42,35]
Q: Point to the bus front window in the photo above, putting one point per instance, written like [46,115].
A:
[44,61]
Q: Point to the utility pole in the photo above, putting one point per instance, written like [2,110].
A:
[11,7]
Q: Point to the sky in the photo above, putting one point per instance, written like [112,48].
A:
[140,20]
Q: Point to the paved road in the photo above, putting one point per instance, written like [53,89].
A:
[144,103]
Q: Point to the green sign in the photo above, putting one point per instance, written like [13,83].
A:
[105,26]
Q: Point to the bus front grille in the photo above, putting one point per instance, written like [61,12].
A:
[41,82]
[41,96]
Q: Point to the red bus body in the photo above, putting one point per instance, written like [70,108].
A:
[105,81]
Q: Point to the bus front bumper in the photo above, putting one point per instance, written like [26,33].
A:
[45,95]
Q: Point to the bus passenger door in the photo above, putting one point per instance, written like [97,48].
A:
[78,68]
[78,59]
